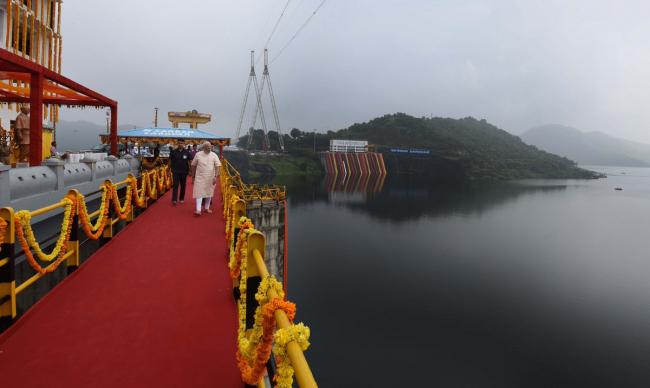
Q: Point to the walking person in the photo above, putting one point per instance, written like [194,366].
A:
[179,162]
[205,170]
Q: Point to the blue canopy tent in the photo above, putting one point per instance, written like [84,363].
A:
[168,135]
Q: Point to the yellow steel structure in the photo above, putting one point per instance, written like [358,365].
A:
[193,118]
[234,209]
[33,30]
[249,192]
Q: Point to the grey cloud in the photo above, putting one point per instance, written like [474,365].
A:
[517,64]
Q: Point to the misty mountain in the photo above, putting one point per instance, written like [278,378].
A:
[588,148]
[80,135]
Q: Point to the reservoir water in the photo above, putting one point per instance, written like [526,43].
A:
[533,283]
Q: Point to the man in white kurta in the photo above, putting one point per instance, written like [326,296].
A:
[205,167]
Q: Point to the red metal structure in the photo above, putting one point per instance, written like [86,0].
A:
[46,87]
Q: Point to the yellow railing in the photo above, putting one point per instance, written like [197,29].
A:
[250,192]
[17,227]
[247,248]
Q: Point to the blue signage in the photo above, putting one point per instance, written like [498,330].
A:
[412,151]
[169,133]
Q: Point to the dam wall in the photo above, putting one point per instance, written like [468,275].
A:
[353,163]
[268,217]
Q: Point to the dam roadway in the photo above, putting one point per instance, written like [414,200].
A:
[152,307]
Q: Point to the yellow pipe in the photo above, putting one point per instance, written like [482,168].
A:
[37,46]
[4,261]
[39,275]
[9,7]
[15,27]
[46,209]
[24,44]
[304,377]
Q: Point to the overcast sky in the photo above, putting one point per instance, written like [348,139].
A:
[517,64]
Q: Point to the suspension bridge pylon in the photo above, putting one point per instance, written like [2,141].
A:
[259,109]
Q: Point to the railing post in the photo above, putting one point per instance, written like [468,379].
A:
[7,270]
[130,214]
[108,229]
[235,213]
[73,243]
[144,192]
[256,242]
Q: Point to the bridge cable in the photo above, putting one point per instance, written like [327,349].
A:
[299,30]
[266,45]
[275,27]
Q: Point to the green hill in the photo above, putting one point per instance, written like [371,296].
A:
[469,147]
[485,150]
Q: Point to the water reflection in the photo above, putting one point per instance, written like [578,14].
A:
[518,284]
[407,198]
[353,188]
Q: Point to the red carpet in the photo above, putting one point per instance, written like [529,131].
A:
[152,308]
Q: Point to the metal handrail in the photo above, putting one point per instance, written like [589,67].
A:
[233,187]
[304,376]
[46,209]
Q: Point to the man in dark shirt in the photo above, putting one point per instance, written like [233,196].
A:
[179,161]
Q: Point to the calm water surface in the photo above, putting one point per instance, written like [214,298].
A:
[534,283]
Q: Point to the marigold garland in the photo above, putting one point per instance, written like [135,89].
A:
[27,239]
[3,230]
[237,255]
[94,231]
[151,184]
[160,178]
[23,219]
[248,342]
[122,211]
[139,196]
[252,368]
[255,345]
[298,333]
[61,246]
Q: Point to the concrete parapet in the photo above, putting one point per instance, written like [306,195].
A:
[92,163]
[4,183]
[56,165]
[35,187]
